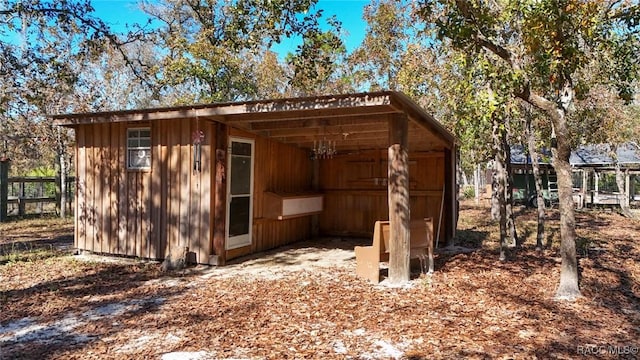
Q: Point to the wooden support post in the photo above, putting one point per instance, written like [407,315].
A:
[39,204]
[60,207]
[583,188]
[220,197]
[4,189]
[595,196]
[71,181]
[399,206]
[21,196]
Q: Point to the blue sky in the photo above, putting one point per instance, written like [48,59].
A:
[117,13]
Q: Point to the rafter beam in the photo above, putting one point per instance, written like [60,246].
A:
[257,117]
[318,122]
[340,139]
[337,130]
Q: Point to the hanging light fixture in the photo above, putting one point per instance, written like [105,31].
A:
[323,149]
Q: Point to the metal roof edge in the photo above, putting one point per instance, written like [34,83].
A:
[223,108]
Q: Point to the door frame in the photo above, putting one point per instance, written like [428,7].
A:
[246,239]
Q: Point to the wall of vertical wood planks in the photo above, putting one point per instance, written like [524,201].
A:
[277,168]
[152,213]
[355,190]
[144,213]
[220,194]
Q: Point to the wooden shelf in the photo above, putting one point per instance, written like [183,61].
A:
[282,206]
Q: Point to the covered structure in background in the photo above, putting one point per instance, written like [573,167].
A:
[231,179]
[594,178]
[594,174]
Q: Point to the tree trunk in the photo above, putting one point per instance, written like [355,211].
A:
[512,234]
[568,288]
[620,181]
[465,181]
[537,179]
[500,176]
[495,203]
[476,183]
[502,211]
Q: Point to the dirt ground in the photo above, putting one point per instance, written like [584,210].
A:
[305,301]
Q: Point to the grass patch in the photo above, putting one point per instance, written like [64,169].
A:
[29,240]
[27,252]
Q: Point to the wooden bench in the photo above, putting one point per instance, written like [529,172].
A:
[368,258]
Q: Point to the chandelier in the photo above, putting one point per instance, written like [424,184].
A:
[323,149]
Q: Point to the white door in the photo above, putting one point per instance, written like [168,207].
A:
[239,193]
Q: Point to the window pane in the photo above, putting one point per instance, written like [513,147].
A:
[240,148]
[139,148]
[139,159]
[240,175]
[239,217]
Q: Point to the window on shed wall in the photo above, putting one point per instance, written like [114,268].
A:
[139,148]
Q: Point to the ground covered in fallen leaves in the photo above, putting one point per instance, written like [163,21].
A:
[286,305]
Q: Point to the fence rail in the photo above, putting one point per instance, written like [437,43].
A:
[27,195]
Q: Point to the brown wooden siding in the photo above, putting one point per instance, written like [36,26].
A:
[144,213]
[182,203]
[152,213]
[355,188]
[80,229]
[277,168]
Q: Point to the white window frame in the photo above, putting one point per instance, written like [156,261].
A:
[238,241]
[136,149]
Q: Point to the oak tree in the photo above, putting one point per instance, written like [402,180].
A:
[545,43]
[205,43]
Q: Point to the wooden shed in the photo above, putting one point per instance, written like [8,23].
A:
[230,179]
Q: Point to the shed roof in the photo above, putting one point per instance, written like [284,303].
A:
[520,155]
[354,121]
[595,155]
[600,155]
